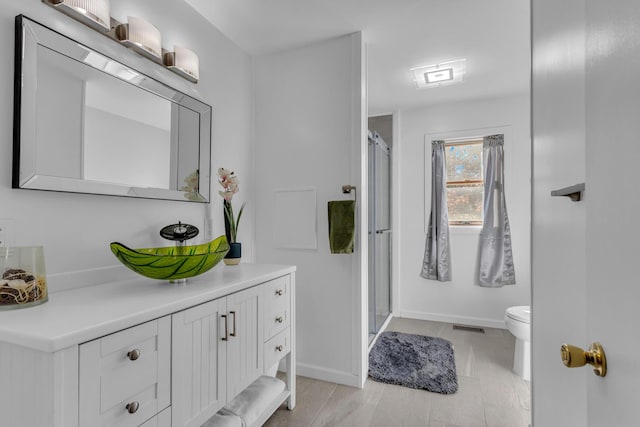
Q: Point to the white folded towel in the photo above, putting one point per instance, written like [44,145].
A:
[223,420]
[254,400]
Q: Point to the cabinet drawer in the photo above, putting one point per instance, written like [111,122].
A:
[277,303]
[130,367]
[277,347]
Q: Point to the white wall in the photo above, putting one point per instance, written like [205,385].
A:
[76,229]
[461,300]
[309,134]
[558,227]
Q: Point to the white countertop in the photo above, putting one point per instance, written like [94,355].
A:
[76,316]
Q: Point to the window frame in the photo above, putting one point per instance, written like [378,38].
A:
[460,183]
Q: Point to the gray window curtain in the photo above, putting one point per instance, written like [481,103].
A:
[436,264]
[496,258]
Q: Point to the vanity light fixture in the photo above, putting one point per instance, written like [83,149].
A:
[184,62]
[442,74]
[142,37]
[94,13]
[137,34]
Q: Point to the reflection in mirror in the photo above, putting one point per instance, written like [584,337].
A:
[90,124]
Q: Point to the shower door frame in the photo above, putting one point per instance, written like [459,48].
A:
[373,326]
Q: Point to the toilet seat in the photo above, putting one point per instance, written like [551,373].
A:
[521,313]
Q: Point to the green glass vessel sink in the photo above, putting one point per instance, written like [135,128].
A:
[172,263]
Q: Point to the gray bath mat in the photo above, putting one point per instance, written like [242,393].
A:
[414,361]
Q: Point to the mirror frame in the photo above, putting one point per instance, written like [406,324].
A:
[28,35]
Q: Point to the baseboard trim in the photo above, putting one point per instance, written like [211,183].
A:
[463,320]
[325,374]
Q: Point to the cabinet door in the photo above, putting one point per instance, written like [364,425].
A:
[246,343]
[163,419]
[199,363]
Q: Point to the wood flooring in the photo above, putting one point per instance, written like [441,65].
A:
[489,393]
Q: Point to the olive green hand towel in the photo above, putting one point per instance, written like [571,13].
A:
[342,226]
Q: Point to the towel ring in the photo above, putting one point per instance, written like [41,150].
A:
[346,189]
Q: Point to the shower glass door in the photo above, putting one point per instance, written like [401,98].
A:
[379,233]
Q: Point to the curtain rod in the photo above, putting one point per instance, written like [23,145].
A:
[463,141]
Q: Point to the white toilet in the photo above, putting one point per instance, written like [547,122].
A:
[518,321]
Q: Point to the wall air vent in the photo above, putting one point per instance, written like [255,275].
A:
[469,328]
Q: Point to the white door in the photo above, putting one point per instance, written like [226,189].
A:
[586,120]
[613,207]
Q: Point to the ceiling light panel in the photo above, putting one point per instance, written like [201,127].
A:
[436,75]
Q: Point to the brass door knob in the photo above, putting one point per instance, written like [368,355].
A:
[574,357]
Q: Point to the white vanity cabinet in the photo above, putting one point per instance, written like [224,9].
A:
[147,353]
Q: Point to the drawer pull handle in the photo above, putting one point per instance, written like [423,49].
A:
[233,334]
[279,348]
[279,319]
[226,328]
[133,354]
[279,292]
[132,407]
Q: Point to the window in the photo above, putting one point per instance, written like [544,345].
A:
[465,184]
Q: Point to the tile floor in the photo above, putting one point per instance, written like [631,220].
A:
[489,394]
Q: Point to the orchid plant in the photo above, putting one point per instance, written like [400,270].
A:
[229,182]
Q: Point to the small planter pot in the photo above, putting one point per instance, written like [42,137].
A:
[234,255]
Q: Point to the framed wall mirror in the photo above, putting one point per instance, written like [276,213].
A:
[87,123]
